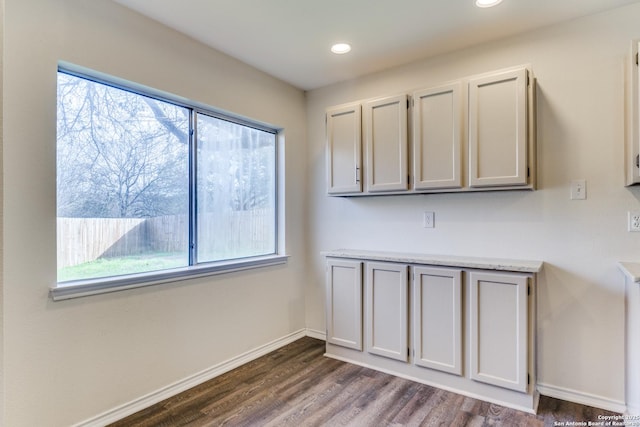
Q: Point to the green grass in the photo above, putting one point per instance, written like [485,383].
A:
[106,267]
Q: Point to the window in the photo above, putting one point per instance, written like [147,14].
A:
[149,188]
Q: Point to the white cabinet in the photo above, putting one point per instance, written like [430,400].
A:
[632,149]
[387,310]
[384,124]
[437,318]
[498,329]
[632,339]
[437,137]
[344,303]
[498,129]
[632,336]
[464,324]
[344,149]
[385,135]
[474,134]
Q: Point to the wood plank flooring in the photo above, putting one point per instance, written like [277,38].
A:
[297,386]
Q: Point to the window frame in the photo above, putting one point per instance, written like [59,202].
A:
[84,287]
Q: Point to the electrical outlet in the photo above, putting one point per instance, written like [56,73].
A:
[428,220]
[634,221]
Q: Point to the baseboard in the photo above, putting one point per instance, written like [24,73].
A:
[143,402]
[582,398]
[320,335]
[442,386]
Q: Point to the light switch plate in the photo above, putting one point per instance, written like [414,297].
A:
[578,189]
[428,220]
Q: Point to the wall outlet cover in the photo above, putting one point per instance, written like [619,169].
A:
[633,221]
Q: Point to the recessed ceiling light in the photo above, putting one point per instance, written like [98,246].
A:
[340,48]
[487,3]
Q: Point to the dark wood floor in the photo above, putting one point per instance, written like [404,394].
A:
[297,386]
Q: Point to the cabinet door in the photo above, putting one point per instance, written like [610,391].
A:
[385,127]
[498,329]
[437,137]
[344,148]
[344,303]
[437,317]
[632,149]
[498,133]
[387,311]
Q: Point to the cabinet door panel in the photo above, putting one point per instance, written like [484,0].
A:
[437,331]
[437,130]
[498,329]
[632,149]
[498,129]
[344,149]
[344,303]
[385,124]
[387,311]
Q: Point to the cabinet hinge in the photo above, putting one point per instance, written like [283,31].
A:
[191,132]
[638,160]
[528,172]
[528,289]
[528,379]
[528,81]
[636,58]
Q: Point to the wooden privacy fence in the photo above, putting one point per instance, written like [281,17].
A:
[233,234]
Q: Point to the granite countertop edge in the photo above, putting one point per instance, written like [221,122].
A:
[484,263]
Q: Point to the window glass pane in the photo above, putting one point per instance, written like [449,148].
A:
[122,181]
[235,190]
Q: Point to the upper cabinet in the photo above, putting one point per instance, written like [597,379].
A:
[437,137]
[380,127]
[385,136]
[344,149]
[632,150]
[473,134]
[498,131]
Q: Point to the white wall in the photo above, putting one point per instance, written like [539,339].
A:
[68,361]
[65,362]
[1,223]
[580,68]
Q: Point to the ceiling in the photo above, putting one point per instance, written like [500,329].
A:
[290,39]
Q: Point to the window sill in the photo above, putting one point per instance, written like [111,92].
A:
[82,288]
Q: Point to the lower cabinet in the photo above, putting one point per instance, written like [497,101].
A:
[437,319]
[467,330]
[498,329]
[387,310]
[344,303]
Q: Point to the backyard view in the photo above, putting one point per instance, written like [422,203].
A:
[123,184]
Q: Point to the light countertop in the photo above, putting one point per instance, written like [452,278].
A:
[525,266]
[631,270]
